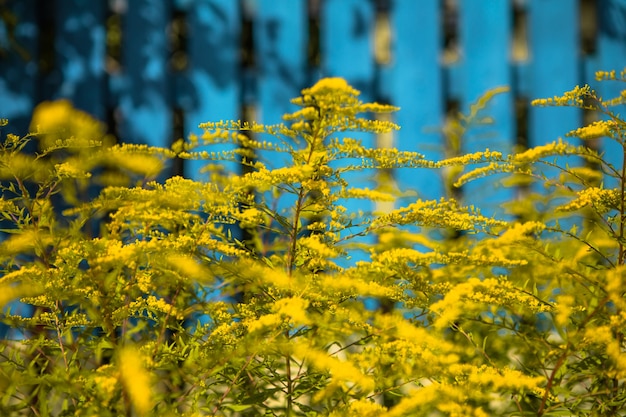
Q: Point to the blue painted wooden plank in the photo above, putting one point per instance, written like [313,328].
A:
[210,88]
[280,42]
[281,55]
[415,81]
[346,45]
[80,48]
[144,88]
[19,56]
[19,66]
[554,68]
[485,27]
[610,54]
[280,29]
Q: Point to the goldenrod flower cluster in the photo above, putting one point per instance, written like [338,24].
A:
[573,97]
[595,130]
[265,292]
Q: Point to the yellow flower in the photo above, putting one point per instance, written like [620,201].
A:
[8,293]
[58,123]
[360,408]
[569,98]
[605,75]
[320,249]
[342,372]
[188,267]
[22,242]
[538,152]
[520,232]
[106,381]
[599,199]
[327,85]
[564,309]
[595,130]
[294,308]
[136,380]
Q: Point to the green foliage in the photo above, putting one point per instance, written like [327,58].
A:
[235,296]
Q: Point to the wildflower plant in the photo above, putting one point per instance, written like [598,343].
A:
[237,295]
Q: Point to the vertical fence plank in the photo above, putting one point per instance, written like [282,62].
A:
[144,89]
[281,55]
[19,55]
[18,65]
[211,85]
[347,44]
[280,43]
[80,45]
[415,80]
[553,68]
[347,51]
[611,51]
[485,35]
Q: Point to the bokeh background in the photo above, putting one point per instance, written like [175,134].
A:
[154,69]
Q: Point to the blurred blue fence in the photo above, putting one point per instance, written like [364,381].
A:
[155,69]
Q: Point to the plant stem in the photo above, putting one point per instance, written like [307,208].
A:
[233,383]
[294,231]
[622,210]
[289,385]
[298,212]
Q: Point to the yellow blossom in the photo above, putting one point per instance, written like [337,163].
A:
[569,98]
[58,121]
[520,232]
[605,75]
[601,200]
[251,217]
[564,309]
[360,408]
[534,154]
[366,193]
[615,286]
[314,244]
[342,372]
[188,267]
[24,241]
[136,380]
[473,294]
[326,85]
[106,381]
[139,159]
[594,130]
[294,308]
[70,170]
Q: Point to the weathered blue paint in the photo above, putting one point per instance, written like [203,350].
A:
[553,70]
[280,41]
[210,87]
[145,85]
[611,55]
[19,66]
[553,66]
[79,73]
[145,92]
[415,84]
[485,41]
[347,51]
[281,56]
[347,43]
